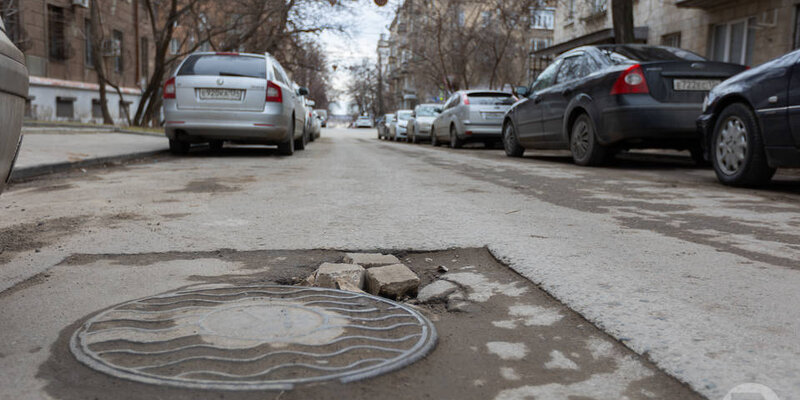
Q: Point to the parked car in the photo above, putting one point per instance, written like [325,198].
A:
[419,126]
[399,129]
[309,104]
[596,100]
[316,126]
[472,116]
[363,122]
[751,122]
[323,114]
[384,124]
[13,92]
[237,97]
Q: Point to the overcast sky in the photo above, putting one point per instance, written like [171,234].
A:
[368,22]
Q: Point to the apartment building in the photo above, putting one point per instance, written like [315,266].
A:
[748,32]
[54,36]
[399,51]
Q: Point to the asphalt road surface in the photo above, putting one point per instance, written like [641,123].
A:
[695,281]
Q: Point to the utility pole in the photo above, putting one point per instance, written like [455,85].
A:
[380,80]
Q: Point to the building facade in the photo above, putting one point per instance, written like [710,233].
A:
[55,37]
[747,32]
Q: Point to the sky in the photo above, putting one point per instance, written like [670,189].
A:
[368,22]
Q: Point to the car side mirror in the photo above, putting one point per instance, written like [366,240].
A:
[302,91]
[413,114]
[438,110]
[522,91]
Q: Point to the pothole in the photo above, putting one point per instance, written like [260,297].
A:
[253,337]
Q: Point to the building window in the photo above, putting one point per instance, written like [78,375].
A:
[144,49]
[97,109]
[87,34]
[462,18]
[733,41]
[29,108]
[542,19]
[174,46]
[599,6]
[10,11]
[539,44]
[118,48]
[671,40]
[486,18]
[65,107]
[56,34]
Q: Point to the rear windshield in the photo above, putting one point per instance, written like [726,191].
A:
[634,54]
[426,111]
[490,99]
[222,65]
[404,115]
[363,118]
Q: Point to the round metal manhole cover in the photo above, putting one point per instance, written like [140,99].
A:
[253,337]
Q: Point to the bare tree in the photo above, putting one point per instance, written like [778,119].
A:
[363,86]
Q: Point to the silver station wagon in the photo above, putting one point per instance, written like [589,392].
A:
[241,98]
[472,116]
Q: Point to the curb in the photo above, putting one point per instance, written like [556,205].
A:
[22,174]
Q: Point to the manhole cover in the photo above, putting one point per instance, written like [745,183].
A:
[253,337]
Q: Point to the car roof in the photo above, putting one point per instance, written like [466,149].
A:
[468,92]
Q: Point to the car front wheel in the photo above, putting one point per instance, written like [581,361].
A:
[511,143]
[455,142]
[737,151]
[583,143]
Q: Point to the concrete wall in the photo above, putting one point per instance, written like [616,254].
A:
[43,102]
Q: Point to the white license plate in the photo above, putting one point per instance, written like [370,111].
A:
[493,115]
[220,94]
[695,85]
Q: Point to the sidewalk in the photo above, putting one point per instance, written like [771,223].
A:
[47,150]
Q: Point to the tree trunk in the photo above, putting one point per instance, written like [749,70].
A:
[622,15]
[96,34]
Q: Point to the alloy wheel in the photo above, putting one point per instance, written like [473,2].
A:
[731,146]
[580,139]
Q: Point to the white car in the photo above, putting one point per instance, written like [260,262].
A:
[364,122]
[13,92]
[237,97]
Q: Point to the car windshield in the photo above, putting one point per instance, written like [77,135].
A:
[426,111]
[634,54]
[404,115]
[224,65]
[490,99]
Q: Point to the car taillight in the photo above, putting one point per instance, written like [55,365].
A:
[274,93]
[465,99]
[169,88]
[631,81]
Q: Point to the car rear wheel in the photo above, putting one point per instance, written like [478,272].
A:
[300,144]
[287,148]
[179,148]
[434,141]
[583,143]
[511,143]
[737,151]
[455,142]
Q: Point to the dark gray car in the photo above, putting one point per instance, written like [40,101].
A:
[472,116]
[13,92]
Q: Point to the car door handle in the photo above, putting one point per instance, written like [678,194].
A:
[537,99]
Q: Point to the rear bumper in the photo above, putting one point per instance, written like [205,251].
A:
[661,124]
[474,131]
[247,127]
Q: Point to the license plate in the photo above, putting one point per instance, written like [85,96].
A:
[493,115]
[220,94]
[695,85]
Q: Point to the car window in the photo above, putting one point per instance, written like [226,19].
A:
[572,68]
[546,78]
[490,99]
[404,115]
[281,73]
[224,65]
[633,54]
[426,111]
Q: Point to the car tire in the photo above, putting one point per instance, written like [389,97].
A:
[215,146]
[583,144]
[737,150]
[511,142]
[300,144]
[434,140]
[287,148]
[178,147]
[414,139]
[455,142]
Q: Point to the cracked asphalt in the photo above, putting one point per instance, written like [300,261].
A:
[695,281]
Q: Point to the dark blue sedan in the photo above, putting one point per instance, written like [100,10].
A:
[751,122]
